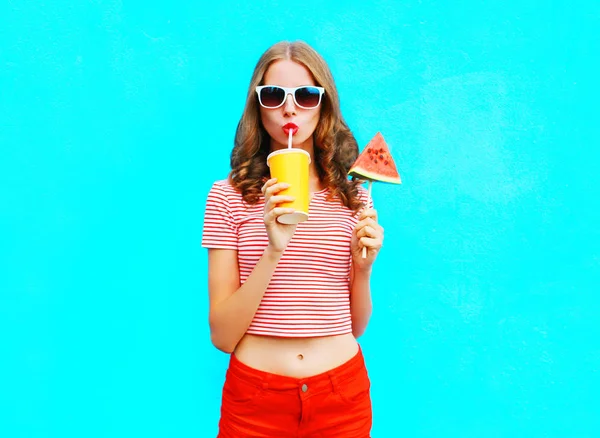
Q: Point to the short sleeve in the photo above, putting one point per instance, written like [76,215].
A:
[220,230]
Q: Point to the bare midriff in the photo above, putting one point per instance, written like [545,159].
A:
[296,357]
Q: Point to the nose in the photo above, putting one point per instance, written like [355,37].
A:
[289,107]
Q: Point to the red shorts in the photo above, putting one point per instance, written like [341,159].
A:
[257,404]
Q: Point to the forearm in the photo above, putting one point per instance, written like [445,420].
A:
[361,305]
[230,318]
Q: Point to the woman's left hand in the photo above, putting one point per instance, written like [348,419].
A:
[367,233]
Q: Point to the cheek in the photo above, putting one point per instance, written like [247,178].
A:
[267,119]
[314,120]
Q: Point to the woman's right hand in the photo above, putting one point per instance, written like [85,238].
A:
[279,234]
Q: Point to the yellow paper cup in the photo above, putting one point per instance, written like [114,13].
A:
[291,166]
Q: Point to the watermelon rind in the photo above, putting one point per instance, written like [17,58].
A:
[364,174]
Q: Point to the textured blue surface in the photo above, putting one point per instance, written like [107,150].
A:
[115,118]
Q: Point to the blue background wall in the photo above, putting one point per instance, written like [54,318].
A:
[116,117]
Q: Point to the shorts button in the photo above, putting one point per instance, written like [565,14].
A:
[304,388]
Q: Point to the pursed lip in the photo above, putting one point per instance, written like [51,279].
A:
[290,127]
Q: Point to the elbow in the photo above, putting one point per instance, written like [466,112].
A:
[221,343]
[222,335]
[221,339]
[218,337]
[357,332]
[359,326]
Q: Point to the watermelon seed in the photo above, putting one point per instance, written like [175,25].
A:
[386,163]
[381,157]
[375,160]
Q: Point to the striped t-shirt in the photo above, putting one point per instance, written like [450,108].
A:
[308,294]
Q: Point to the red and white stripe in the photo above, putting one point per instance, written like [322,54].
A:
[308,294]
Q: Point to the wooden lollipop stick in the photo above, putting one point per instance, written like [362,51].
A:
[364,250]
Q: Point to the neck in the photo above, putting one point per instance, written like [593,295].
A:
[314,183]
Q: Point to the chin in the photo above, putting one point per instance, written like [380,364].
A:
[282,142]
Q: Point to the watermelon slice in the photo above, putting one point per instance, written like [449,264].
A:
[375,163]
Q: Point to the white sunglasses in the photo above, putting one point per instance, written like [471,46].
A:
[274,96]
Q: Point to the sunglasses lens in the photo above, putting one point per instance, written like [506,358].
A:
[308,97]
[272,96]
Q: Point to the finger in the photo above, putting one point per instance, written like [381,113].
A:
[366,222]
[368,231]
[370,243]
[373,232]
[278,199]
[275,188]
[268,184]
[276,212]
[369,212]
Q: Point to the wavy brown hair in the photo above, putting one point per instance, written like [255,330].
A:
[335,147]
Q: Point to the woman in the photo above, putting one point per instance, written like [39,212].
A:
[289,301]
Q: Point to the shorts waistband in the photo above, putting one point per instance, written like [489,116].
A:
[279,382]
